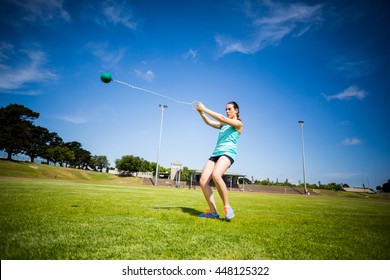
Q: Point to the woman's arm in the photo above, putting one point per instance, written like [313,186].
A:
[207,120]
[219,118]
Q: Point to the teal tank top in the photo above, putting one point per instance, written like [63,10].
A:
[227,142]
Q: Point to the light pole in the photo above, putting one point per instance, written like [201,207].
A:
[303,156]
[159,141]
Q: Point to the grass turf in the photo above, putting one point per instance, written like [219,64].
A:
[52,219]
[44,171]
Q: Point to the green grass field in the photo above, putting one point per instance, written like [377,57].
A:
[43,171]
[59,219]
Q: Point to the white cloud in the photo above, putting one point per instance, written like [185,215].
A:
[74,119]
[145,75]
[191,54]
[351,92]
[269,29]
[351,141]
[15,77]
[43,10]
[6,49]
[106,55]
[353,68]
[119,13]
[340,175]
[229,45]
[345,123]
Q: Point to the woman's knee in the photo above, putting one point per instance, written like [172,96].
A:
[203,182]
[216,176]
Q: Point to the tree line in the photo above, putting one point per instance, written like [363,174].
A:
[19,135]
[130,164]
[328,186]
[385,187]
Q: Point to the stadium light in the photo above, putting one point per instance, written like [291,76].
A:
[303,156]
[163,107]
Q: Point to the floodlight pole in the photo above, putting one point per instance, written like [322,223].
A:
[303,156]
[159,141]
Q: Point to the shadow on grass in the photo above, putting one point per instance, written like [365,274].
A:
[190,211]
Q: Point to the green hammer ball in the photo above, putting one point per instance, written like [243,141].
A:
[106,77]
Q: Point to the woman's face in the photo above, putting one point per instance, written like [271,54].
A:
[230,111]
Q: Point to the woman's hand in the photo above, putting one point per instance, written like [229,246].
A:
[200,107]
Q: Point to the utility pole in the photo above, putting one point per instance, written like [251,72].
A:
[303,156]
[163,107]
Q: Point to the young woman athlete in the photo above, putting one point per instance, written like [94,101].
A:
[230,129]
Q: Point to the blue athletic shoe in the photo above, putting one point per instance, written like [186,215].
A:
[229,213]
[209,215]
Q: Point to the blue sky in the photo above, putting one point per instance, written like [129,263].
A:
[324,62]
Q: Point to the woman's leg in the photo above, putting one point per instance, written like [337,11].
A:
[204,184]
[220,168]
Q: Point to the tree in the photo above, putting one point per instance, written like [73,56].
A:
[129,163]
[146,166]
[153,166]
[53,141]
[60,154]
[16,128]
[82,158]
[99,162]
[263,182]
[40,137]
[243,180]
[186,173]
[133,164]
[386,186]
[332,186]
